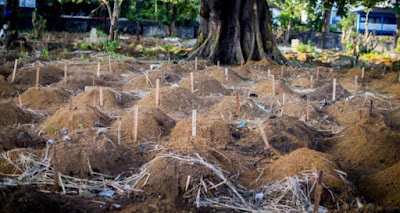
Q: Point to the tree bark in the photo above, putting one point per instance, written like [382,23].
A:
[366,33]
[289,28]
[326,21]
[232,31]
[12,6]
[398,29]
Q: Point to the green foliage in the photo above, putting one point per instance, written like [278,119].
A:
[305,48]
[50,129]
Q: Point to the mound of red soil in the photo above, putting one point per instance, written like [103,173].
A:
[11,114]
[211,132]
[6,89]
[112,100]
[79,81]
[174,100]
[153,124]
[264,87]
[383,187]
[140,83]
[393,90]
[201,65]
[175,68]
[82,117]
[367,148]
[326,90]
[46,99]
[26,77]
[219,75]
[205,86]
[88,152]
[226,108]
[285,134]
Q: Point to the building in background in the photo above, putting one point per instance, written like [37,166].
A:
[23,3]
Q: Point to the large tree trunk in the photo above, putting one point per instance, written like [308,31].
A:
[326,21]
[366,33]
[12,20]
[289,28]
[232,31]
[113,35]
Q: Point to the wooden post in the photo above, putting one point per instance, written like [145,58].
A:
[312,81]
[147,78]
[273,85]
[218,64]
[98,69]
[157,92]
[65,74]
[109,63]
[195,64]
[71,106]
[282,71]
[362,72]
[237,103]
[318,73]
[241,63]
[269,73]
[384,70]
[334,90]
[101,97]
[119,130]
[283,98]
[356,82]
[263,135]
[37,77]
[371,103]
[226,74]
[135,123]
[191,82]
[194,114]
[308,109]
[318,192]
[360,114]
[56,177]
[14,71]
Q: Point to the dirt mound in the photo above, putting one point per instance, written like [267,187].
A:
[6,89]
[367,148]
[284,134]
[46,99]
[211,132]
[226,108]
[18,137]
[169,177]
[383,187]
[26,77]
[175,68]
[104,156]
[201,65]
[82,117]
[140,83]
[79,81]
[219,75]
[112,100]
[174,100]
[301,160]
[10,114]
[264,87]
[348,113]
[393,90]
[153,124]
[326,90]
[205,86]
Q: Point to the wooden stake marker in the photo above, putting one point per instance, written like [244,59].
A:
[218,64]
[98,69]
[318,73]
[312,81]
[237,103]
[308,109]
[283,98]
[269,73]
[226,74]
[119,130]
[318,192]
[147,78]
[157,92]
[282,71]
[101,97]
[109,63]
[371,103]
[334,90]
[195,64]
[71,105]
[362,72]
[14,71]
[65,74]
[263,135]
[37,77]
[356,82]
[56,177]
[273,85]
[194,115]
[135,123]
[191,82]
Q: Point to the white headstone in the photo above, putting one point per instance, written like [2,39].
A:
[93,35]
[295,43]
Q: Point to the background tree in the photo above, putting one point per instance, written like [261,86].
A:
[291,11]
[11,18]
[232,31]
[369,6]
